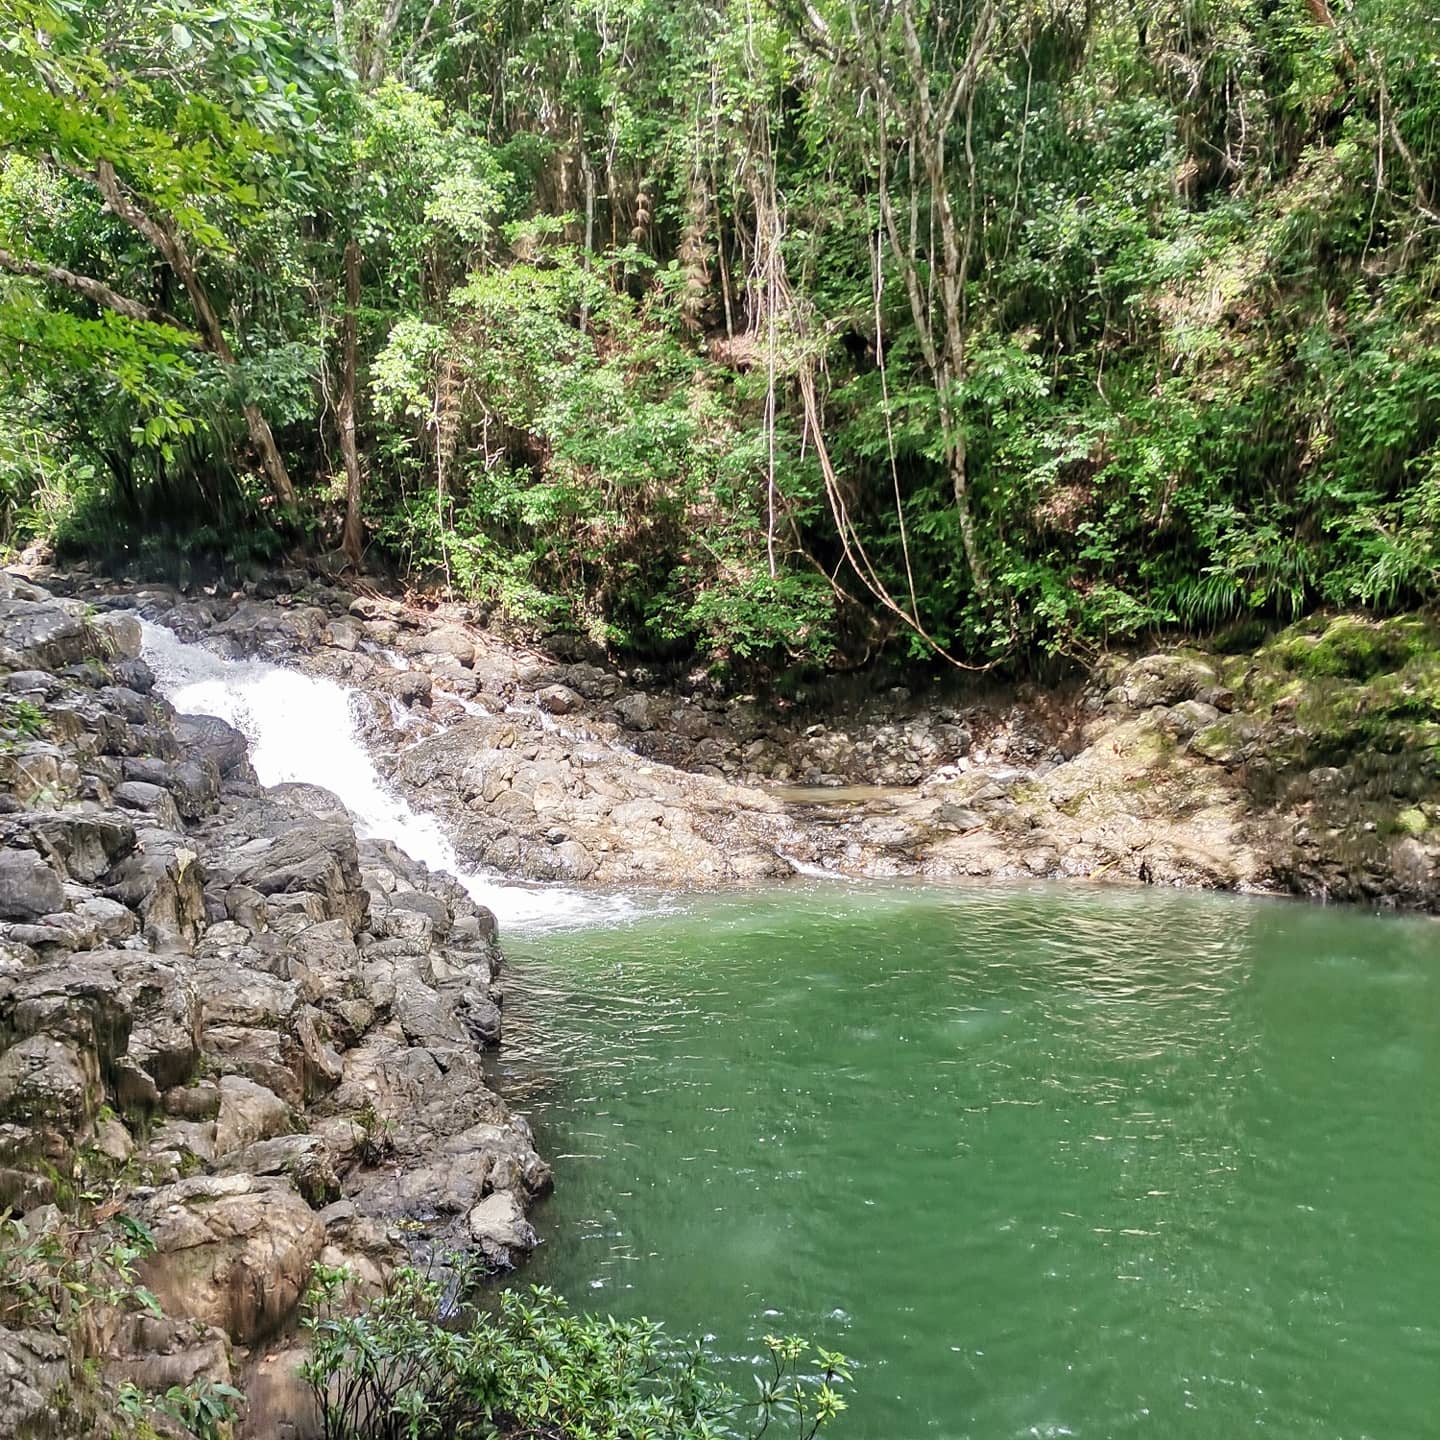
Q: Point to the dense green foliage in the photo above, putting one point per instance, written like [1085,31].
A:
[415,1365]
[756,327]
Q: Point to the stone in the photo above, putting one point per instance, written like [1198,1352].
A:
[1189,717]
[499,1227]
[34,1369]
[345,634]
[638,712]
[156,1352]
[558,700]
[49,1083]
[321,858]
[87,844]
[1163,680]
[480,1016]
[207,737]
[306,1159]
[410,687]
[378,607]
[1412,821]
[41,635]
[264,1056]
[120,632]
[151,800]
[136,675]
[117,1004]
[1226,741]
[248,1112]
[195,786]
[193,1102]
[29,888]
[113,921]
[959,817]
[232,1251]
[443,640]
[113,1140]
[165,1015]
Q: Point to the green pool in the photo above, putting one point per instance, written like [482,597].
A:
[1045,1161]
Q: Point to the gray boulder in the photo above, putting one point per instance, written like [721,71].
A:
[34,1369]
[41,635]
[121,633]
[49,1083]
[232,1251]
[29,888]
[207,737]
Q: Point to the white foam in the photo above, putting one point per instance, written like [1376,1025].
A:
[303,728]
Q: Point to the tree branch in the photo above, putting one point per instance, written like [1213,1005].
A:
[97,293]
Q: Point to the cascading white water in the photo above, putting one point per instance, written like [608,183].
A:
[303,728]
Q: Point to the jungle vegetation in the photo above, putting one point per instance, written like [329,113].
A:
[775,332]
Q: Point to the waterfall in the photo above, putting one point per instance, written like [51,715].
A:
[303,728]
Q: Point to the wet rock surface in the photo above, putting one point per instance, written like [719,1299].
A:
[1258,770]
[225,1012]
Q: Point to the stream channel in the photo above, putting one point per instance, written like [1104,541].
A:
[1045,1161]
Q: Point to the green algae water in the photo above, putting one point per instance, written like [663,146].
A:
[1046,1162]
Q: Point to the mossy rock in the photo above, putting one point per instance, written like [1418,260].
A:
[1225,742]
[1353,648]
[1412,822]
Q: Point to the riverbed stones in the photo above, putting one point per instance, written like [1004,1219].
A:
[120,633]
[207,737]
[42,635]
[186,951]
[557,700]
[638,711]
[499,1227]
[444,640]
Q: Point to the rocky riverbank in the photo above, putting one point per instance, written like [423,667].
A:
[1304,763]
[259,1035]
[224,1016]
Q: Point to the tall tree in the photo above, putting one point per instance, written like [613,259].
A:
[185,123]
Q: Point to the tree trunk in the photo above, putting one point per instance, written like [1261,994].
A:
[353,538]
[960,487]
[172,247]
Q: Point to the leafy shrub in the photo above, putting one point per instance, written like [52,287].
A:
[70,1277]
[418,1365]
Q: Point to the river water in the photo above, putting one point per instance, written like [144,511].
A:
[305,728]
[1046,1161]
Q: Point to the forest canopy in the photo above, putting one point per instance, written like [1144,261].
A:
[772,331]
